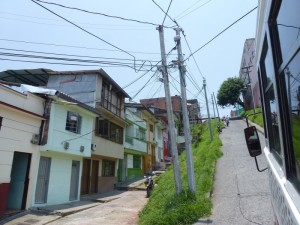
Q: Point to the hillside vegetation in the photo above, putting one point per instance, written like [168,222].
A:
[164,206]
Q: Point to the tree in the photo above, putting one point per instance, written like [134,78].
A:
[229,92]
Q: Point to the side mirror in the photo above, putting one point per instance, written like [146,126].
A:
[252,141]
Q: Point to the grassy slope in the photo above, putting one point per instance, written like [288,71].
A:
[165,207]
[258,118]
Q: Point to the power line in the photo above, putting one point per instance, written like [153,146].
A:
[144,85]
[192,54]
[188,8]
[220,33]
[194,10]
[166,13]
[97,13]
[72,46]
[83,29]
[55,63]
[147,71]
[82,56]
[63,25]
[70,59]
[80,22]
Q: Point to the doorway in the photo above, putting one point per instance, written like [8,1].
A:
[74,180]
[95,172]
[85,177]
[42,183]
[18,188]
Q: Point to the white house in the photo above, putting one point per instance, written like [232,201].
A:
[21,116]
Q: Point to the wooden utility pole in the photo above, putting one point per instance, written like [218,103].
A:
[171,123]
[186,124]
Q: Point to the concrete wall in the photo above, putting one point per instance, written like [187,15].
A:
[81,87]
[108,148]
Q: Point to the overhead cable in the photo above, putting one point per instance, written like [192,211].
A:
[35,1]
[166,13]
[82,56]
[192,54]
[97,13]
[72,46]
[220,33]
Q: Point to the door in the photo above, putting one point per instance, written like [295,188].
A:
[74,180]
[95,169]
[41,191]
[85,177]
[17,192]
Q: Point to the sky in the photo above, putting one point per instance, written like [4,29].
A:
[130,50]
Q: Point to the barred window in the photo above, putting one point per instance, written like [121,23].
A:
[73,122]
[108,168]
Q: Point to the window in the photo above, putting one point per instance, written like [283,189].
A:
[108,168]
[151,127]
[136,161]
[292,80]
[110,99]
[141,134]
[288,25]
[109,130]
[73,123]
[102,127]
[116,133]
[268,78]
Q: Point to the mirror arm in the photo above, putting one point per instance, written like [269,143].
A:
[258,167]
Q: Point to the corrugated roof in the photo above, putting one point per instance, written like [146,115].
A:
[35,77]
[39,77]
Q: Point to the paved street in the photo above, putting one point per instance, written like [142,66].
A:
[241,193]
[123,210]
[122,207]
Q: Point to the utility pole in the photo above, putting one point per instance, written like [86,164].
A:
[249,84]
[208,115]
[187,132]
[171,123]
[212,100]
[216,106]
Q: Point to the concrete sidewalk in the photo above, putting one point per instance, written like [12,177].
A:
[241,194]
[47,214]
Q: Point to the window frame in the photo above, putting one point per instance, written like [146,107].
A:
[108,172]
[72,126]
[280,64]
[107,133]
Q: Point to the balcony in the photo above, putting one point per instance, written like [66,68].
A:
[135,144]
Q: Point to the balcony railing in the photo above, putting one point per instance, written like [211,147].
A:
[129,139]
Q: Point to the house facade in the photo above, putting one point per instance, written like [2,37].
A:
[65,142]
[135,146]
[97,89]
[21,116]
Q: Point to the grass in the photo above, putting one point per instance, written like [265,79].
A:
[257,118]
[165,207]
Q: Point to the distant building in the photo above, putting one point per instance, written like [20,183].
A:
[248,74]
